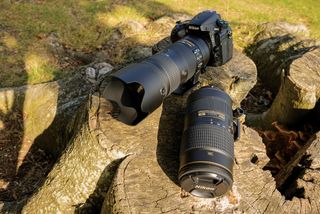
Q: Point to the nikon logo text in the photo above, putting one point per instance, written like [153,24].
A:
[193,27]
[205,188]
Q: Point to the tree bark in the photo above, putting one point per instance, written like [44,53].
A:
[73,180]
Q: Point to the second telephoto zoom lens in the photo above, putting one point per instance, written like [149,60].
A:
[207,147]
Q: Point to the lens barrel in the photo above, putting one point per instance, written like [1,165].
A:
[207,147]
[138,89]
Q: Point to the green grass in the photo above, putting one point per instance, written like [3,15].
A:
[85,25]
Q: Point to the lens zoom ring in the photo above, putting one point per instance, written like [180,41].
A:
[204,136]
[170,69]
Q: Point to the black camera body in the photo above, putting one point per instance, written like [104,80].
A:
[137,90]
[214,30]
[218,35]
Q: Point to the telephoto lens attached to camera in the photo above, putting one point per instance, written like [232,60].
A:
[138,89]
[207,147]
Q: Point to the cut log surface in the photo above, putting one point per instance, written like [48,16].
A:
[146,181]
[148,152]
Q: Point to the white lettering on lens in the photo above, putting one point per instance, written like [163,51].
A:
[205,188]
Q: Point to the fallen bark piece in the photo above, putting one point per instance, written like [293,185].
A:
[286,171]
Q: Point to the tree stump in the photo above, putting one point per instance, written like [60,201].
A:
[35,119]
[289,66]
[80,180]
[275,47]
[140,186]
[116,168]
[48,121]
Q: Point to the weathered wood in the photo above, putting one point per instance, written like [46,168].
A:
[47,108]
[74,178]
[286,171]
[310,180]
[104,140]
[147,156]
[49,120]
[42,114]
[146,182]
[275,47]
[289,66]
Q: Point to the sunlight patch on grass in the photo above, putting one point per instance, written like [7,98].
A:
[6,101]
[40,66]
[120,14]
[10,41]
[23,22]
[304,11]
[75,24]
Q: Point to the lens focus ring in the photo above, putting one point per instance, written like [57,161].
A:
[210,137]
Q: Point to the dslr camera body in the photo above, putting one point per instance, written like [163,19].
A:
[211,28]
[217,33]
